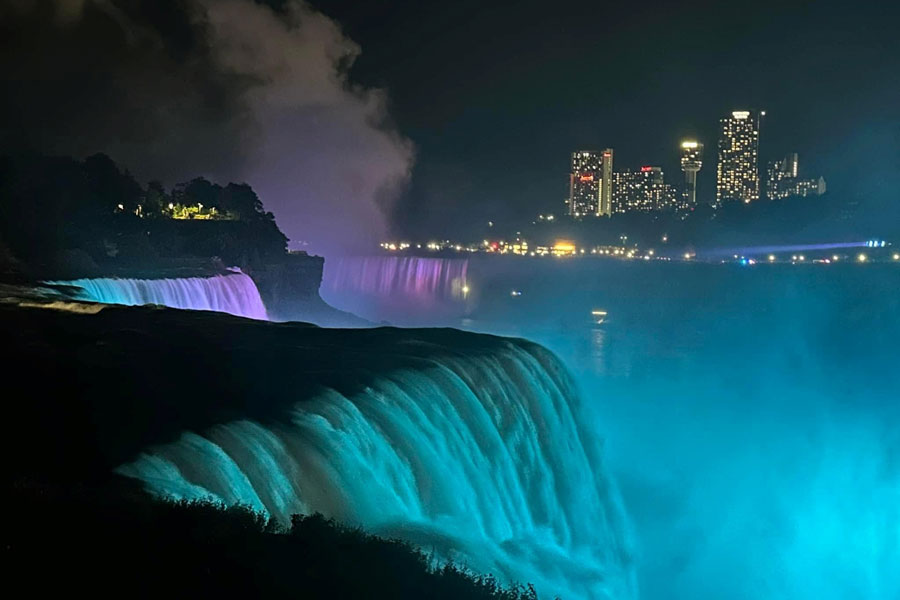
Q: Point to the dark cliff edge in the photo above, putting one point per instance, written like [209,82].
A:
[290,290]
[89,386]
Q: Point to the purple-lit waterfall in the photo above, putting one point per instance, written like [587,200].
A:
[234,293]
[398,286]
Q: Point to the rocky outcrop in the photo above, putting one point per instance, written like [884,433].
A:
[290,291]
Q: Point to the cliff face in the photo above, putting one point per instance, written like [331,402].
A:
[290,290]
[295,279]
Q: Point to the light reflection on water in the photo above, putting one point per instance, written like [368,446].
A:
[598,351]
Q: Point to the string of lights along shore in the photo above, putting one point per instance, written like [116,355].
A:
[596,190]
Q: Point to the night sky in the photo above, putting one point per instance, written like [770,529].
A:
[426,118]
[496,96]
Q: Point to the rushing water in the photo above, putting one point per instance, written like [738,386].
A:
[484,459]
[234,293]
[377,285]
[751,414]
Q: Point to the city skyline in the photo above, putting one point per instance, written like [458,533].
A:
[740,176]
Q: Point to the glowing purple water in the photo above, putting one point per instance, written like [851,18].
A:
[421,281]
[235,293]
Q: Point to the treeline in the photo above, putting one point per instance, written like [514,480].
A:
[65,541]
[61,211]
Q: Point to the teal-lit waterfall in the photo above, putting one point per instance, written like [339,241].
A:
[234,293]
[482,459]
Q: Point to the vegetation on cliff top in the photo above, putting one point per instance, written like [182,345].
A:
[82,214]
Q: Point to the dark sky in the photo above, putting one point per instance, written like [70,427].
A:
[451,113]
[495,95]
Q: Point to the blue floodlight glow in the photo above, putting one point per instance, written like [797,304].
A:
[755,250]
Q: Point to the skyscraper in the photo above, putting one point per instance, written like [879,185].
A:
[591,183]
[606,184]
[691,162]
[643,190]
[737,172]
[584,183]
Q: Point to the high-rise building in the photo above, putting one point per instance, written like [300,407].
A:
[606,184]
[691,162]
[783,181]
[584,183]
[642,190]
[590,183]
[737,172]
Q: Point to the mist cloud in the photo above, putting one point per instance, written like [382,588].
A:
[231,89]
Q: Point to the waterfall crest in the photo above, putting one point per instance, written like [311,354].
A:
[397,288]
[235,293]
[423,278]
[481,458]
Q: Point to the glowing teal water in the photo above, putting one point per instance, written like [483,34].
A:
[482,459]
[235,293]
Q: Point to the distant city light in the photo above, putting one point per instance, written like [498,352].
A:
[862,258]
[689,144]
[771,258]
[563,247]
[896,256]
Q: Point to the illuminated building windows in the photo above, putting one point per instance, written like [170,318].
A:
[737,171]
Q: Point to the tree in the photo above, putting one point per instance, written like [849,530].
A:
[156,199]
[241,200]
[108,189]
[199,191]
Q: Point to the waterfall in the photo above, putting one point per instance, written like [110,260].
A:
[420,278]
[234,293]
[396,287]
[481,458]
